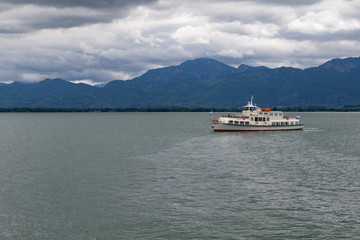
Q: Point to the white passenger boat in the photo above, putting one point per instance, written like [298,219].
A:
[253,118]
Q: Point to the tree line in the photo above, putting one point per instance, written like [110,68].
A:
[348,108]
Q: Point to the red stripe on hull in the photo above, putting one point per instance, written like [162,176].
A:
[229,130]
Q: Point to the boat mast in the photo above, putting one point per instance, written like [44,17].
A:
[211,122]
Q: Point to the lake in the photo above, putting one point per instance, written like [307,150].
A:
[167,176]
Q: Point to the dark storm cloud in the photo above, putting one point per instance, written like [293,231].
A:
[46,14]
[81,3]
[99,41]
[29,18]
[65,22]
[37,15]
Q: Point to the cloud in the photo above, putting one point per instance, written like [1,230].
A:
[20,16]
[193,35]
[99,41]
[314,23]
[28,18]
[34,77]
[290,3]
[81,3]
[87,81]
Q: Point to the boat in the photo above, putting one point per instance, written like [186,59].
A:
[254,118]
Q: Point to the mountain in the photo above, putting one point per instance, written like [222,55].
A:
[198,69]
[244,67]
[47,93]
[201,82]
[342,65]
[169,86]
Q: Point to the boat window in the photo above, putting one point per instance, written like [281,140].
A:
[268,119]
[241,122]
[247,123]
[256,119]
[280,114]
[252,119]
[231,121]
[237,122]
[276,114]
[271,114]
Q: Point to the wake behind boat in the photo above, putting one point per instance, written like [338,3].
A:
[253,118]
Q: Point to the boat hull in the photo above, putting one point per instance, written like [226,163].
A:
[250,128]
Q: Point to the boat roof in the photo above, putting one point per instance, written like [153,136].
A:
[250,104]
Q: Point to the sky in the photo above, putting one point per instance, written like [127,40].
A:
[94,41]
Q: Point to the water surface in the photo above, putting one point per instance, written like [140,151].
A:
[167,176]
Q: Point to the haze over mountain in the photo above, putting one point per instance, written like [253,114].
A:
[201,82]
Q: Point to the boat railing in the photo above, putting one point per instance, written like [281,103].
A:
[235,116]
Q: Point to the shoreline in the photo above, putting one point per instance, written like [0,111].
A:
[176,109]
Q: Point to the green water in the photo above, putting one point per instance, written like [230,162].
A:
[167,176]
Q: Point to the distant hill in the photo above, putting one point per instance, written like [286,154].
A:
[244,67]
[342,65]
[201,82]
[47,93]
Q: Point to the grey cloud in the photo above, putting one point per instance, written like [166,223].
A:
[82,3]
[289,2]
[162,34]
[55,22]
[65,22]
[50,23]
[105,11]
[342,35]
[276,2]
[27,16]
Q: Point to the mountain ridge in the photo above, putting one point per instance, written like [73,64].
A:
[201,82]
